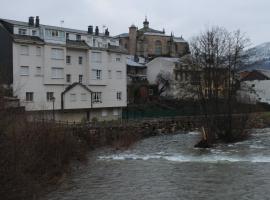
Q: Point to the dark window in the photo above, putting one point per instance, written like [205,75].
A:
[68,59]
[29,96]
[80,60]
[67,36]
[68,78]
[80,78]
[78,37]
[50,96]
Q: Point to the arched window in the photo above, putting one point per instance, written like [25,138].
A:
[158,47]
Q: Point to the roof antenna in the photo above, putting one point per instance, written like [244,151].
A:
[61,23]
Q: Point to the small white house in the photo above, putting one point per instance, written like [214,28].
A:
[176,72]
[255,86]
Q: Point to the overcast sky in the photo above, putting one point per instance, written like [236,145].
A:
[183,17]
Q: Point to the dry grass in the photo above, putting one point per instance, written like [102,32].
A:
[33,155]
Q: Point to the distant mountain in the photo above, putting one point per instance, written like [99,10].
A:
[259,57]
[259,53]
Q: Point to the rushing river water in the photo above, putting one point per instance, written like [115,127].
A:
[168,167]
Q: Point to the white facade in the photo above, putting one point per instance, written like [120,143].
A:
[165,66]
[255,91]
[51,67]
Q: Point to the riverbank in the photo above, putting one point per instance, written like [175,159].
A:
[35,155]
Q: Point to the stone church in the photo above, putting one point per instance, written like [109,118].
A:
[150,43]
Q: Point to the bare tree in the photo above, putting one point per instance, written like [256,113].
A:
[218,54]
[164,82]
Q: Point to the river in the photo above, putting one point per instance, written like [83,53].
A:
[168,167]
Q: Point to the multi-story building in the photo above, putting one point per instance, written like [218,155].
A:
[150,43]
[70,74]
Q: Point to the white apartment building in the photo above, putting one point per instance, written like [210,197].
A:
[63,73]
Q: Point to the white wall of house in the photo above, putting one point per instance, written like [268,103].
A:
[255,91]
[39,69]
[157,66]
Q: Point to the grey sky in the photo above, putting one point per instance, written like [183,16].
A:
[183,17]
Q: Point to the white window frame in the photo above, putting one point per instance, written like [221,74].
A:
[96,74]
[57,74]
[97,97]
[24,71]
[24,50]
[96,57]
[57,54]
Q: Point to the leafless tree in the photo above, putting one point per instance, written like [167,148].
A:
[218,54]
[164,82]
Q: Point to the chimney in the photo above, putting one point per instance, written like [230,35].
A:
[107,33]
[31,21]
[90,30]
[37,21]
[97,31]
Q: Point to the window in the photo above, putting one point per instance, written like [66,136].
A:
[80,78]
[78,37]
[96,57]
[80,60]
[115,112]
[119,96]
[104,113]
[54,33]
[24,50]
[68,78]
[109,74]
[57,54]
[119,74]
[73,97]
[67,36]
[158,47]
[38,71]
[57,73]
[22,31]
[83,97]
[29,96]
[118,58]
[94,42]
[68,59]
[50,96]
[151,92]
[96,97]
[34,32]
[38,51]
[24,71]
[97,74]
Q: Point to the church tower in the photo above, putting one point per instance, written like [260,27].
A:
[132,40]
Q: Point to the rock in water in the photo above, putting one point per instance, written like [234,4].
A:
[203,144]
